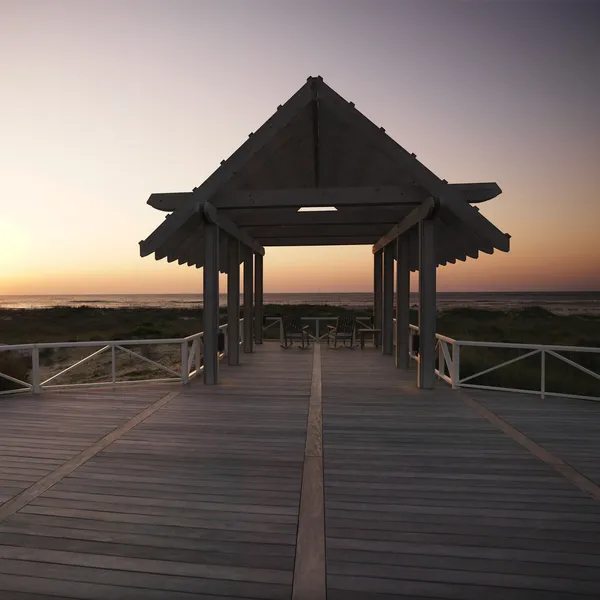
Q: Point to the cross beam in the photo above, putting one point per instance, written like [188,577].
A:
[348,216]
[423,211]
[228,226]
[348,196]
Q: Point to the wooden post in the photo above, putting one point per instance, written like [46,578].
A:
[402,301]
[258,295]
[427,305]
[377,267]
[248,294]
[211,303]
[233,300]
[387,326]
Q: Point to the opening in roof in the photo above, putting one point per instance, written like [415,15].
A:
[317,209]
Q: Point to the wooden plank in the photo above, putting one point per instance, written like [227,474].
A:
[328,196]
[170,490]
[145,544]
[165,567]
[309,568]
[549,580]
[446,590]
[425,498]
[470,192]
[567,428]
[291,232]
[350,240]
[583,483]
[221,554]
[83,583]
[408,195]
[475,192]
[265,217]
[32,492]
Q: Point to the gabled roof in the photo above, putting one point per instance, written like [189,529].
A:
[318,149]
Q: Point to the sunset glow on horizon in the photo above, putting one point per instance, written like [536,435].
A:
[107,102]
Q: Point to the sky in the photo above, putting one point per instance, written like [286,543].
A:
[105,102]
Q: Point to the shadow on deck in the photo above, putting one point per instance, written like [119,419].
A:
[168,492]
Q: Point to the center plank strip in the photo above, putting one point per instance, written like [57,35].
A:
[39,487]
[309,568]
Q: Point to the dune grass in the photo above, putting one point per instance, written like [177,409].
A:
[532,325]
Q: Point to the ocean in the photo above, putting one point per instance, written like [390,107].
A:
[557,302]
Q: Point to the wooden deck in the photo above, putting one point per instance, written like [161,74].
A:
[161,492]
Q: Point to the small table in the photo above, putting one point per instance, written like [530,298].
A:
[367,331]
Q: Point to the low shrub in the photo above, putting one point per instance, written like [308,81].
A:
[17,366]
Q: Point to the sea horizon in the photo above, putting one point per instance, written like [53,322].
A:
[560,302]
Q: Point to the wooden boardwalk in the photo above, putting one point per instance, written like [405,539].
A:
[166,492]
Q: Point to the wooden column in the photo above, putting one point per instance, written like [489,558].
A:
[258,298]
[233,300]
[387,325]
[377,275]
[211,303]
[248,297]
[402,301]
[427,305]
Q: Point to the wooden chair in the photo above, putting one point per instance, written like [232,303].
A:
[295,330]
[343,332]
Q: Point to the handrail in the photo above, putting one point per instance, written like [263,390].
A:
[447,368]
[517,346]
[452,362]
[183,375]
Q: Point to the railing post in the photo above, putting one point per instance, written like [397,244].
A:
[258,298]
[455,366]
[233,301]
[185,374]
[317,328]
[543,376]
[387,324]
[248,300]
[402,330]
[441,359]
[196,343]
[281,330]
[113,364]
[427,304]
[35,370]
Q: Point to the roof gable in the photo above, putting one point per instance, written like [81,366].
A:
[319,142]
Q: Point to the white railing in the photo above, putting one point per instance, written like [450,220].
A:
[448,363]
[189,361]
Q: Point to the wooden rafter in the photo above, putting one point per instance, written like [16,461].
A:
[318,150]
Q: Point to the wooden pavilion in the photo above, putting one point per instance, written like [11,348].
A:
[319,152]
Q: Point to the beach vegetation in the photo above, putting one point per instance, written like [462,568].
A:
[532,325]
